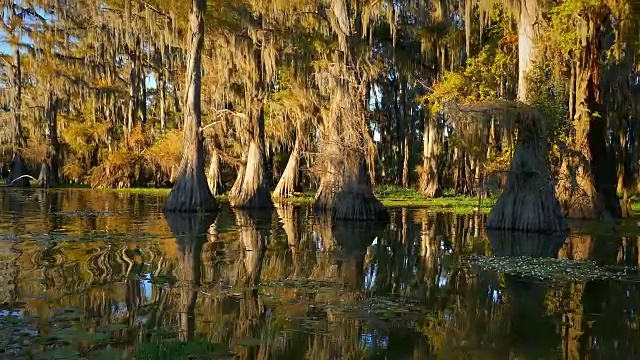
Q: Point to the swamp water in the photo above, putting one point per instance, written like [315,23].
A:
[99,274]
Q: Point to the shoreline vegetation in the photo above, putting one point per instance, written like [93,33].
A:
[390,196]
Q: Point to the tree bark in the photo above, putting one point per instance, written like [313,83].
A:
[254,189]
[191,191]
[214,176]
[431,156]
[17,170]
[345,189]
[587,187]
[237,184]
[133,94]
[526,37]
[49,173]
[406,134]
[528,203]
[162,86]
[289,180]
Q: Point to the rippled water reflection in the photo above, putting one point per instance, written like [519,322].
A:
[99,273]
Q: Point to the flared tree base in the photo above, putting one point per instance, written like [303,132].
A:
[350,206]
[526,208]
[529,203]
[190,197]
[18,175]
[258,200]
[47,179]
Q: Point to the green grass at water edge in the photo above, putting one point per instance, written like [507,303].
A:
[390,196]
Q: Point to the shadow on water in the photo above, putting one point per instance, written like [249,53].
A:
[90,273]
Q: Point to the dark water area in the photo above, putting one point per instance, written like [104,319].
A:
[98,274]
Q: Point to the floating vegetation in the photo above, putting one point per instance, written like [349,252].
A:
[86,213]
[87,236]
[302,283]
[351,304]
[550,269]
[160,349]
[393,310]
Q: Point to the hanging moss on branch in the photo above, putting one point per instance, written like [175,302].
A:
[528,203]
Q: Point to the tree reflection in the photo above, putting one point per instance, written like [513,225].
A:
[190,232]
[301,286]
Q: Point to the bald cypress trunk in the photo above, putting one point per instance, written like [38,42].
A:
[526,46]
[191,191]
[17,171]
[162,87]
[587,187]
[49,173]
[214,176]
[254,188]
[133,93]
[345,188]
[289,180]
[529,202]
[430,184]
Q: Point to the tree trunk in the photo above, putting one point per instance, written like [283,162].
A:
[254,189]
[406,134]
[399,140]
[17,170]
[143,98]
[133,94]
[526,37]
[162,86]
[431,156]
[528,202]
[191,191]
[214,176]
[345,189]
[289,180]
[587,185]
[235,189]
[49,173]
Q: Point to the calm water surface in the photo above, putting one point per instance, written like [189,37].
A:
[104,275]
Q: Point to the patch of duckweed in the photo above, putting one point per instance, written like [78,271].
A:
[392,310]
[160,349]
[302,283]
[557,270]
[86,213]
[87,236]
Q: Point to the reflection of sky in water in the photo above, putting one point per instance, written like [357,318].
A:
[10,313]
[368,341]
[443,280]
[494,294]
[147,287]
[370,276]
[317,240]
